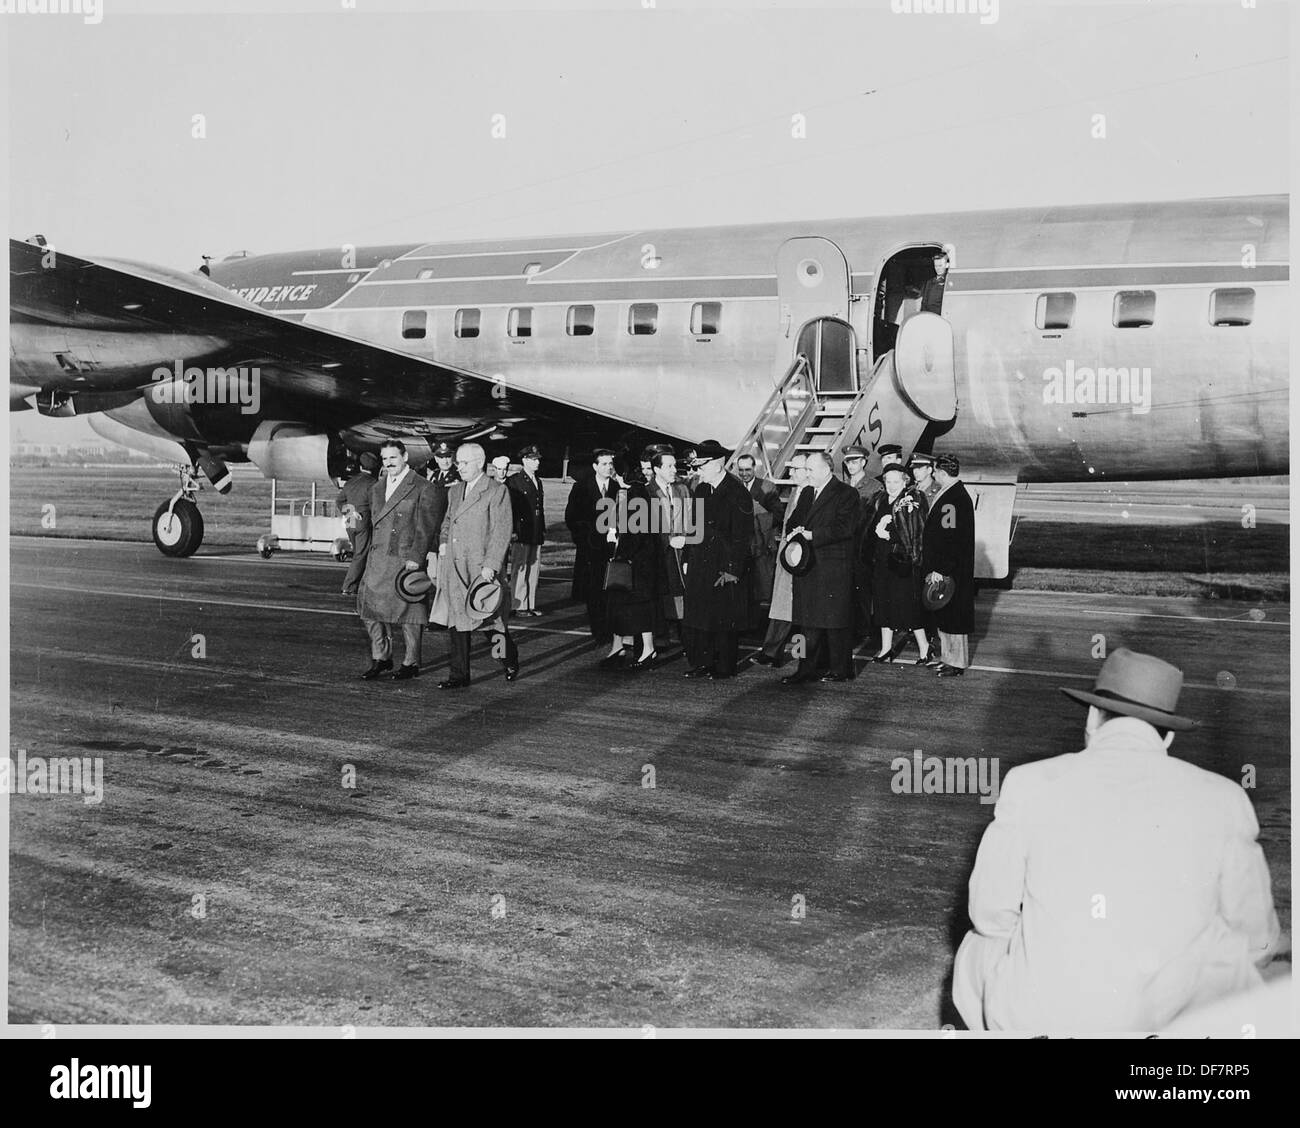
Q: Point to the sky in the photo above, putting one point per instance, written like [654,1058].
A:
[323,124]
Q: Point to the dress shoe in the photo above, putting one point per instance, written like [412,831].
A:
[698,672]
[645,663]
[454,683]
[761,659]
[512,672]
[377,668]
[795,679]
[406,672]
[934,661]
[611,661]
[534,613]
[946,671]
[714,675]
[835,678]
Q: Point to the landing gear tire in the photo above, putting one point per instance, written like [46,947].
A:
[181,532]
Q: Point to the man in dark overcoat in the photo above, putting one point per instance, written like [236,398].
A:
[405,517]
[823,596]
[717,588]
[948,549]
[354,506]
[591,537]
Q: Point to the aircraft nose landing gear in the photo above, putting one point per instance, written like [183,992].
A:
[178,524]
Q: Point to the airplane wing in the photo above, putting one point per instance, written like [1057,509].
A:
[124,319]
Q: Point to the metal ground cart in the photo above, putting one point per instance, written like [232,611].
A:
[305,524]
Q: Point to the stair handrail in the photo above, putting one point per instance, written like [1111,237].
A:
[753,443]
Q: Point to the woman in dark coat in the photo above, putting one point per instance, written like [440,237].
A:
[896,526]
[631,613]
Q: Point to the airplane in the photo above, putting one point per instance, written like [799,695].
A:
[1044,344]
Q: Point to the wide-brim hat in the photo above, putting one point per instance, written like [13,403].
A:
[937,594]
[412,584]
[796,556]
[483,597]
[894,468]
[1137,685]
[710,449]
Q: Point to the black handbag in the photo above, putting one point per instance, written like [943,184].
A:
[618,576]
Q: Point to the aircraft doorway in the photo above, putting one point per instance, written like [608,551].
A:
[828,343]
[910,281]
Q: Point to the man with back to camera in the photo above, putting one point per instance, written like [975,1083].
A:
[1116,887]
[948,549]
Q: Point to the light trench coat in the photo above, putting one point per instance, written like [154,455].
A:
[1115,888]
[475,535]
[782,607]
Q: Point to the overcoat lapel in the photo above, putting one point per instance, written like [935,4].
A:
[408,484]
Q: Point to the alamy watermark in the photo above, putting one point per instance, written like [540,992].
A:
[181,385]
[91,11]
[1081,384]
[638,515]
[53,775]
[987,10]
[948,775]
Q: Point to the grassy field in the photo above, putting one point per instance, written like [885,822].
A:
[1209,559]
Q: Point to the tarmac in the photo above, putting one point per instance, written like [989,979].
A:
[281,843]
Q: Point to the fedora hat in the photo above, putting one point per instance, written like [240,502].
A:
[483,598]
[1137,685]
[797,556]
[412,584]
[937,594]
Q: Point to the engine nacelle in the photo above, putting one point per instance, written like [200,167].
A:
[294,451]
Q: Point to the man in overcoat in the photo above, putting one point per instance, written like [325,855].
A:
[405,516]
[473,544]
[354,506]
[588,497]
[717,588]
[1116,887]
[529,497]
[948,549]
[827,518]
[767,504]
[672,500]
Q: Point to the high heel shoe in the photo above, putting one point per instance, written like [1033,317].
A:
[645,662]
[610,661]
[893,652]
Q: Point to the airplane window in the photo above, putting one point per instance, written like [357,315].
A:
[1055,311]
[519,322]
[581,320]
[1134,309]
[642,318]
[532,267]
[414,322]
[467,322]
[1232,306]
[705,318]
[427,272]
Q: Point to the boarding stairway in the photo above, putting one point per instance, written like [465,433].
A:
[798,418]
[909,387]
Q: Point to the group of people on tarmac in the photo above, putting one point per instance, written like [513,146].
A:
[698,551]
[816,564]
